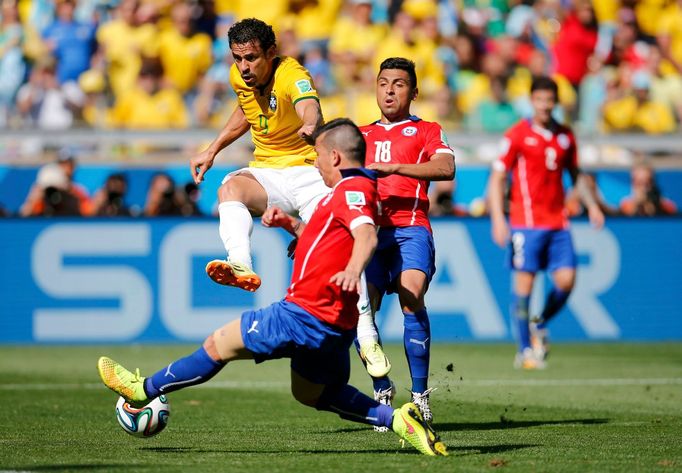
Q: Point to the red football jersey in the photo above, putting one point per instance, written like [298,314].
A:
[537,157]
[325,247]
[404,200]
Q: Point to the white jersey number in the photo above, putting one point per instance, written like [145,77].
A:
[382,154]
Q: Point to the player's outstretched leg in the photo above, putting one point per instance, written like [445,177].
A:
[368,344]
[196,368]
[236,225]
[417,342]
[410,426]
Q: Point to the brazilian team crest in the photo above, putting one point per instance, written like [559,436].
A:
[273,102]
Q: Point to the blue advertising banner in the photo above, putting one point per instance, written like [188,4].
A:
[140,280]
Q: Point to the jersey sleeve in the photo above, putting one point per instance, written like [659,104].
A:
[436,142]
[508,152]
[356,203]
[299,84]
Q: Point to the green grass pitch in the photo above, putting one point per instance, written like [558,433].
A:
[598,407]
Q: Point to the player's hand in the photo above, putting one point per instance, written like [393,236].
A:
[500,233]
[384,169]
[275,217]
[348,281]
[596,217]
[306,134]
[199,164]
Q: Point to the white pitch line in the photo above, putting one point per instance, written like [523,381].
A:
[277,385]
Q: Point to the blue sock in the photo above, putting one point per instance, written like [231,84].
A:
[196,368]
[519,310]
[556,299]
[381,384]
[351,404]
[417,341]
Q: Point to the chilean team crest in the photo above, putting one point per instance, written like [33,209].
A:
[409,131]
[563,141]
[273,102]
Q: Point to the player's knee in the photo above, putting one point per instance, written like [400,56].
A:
[303,396]
[565,281]
[411,299]
[228,191]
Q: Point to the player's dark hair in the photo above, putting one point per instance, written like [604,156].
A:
[344,135]
[544,83]
[402,64]
[252,30]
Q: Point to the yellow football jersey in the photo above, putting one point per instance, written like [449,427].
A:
[272,116]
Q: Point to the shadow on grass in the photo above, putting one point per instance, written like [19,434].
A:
[85,467]
[505,423]
[256,451]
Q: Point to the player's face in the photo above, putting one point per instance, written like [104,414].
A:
[543,102]
[394,94]
[325,163]
[254,64]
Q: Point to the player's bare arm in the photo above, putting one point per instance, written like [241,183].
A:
[310,113]
[441,167]
[276,217]
[235,127]
[588,198]
[500,228]
[364,244]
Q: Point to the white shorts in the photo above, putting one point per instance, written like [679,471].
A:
[296,189]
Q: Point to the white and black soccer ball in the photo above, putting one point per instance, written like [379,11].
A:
[145,421]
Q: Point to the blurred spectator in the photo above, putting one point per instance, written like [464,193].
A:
[95,103]
[441,200]
[43,103]
[12,68]
[636,111]
[150,105]
[354,40]
[122,43]
[190,200]
[670,34]
[574,205]
[494,114]
[109,201]
[666,87]
[162,198]
[645,197]
[406,40]
[319,69]
[185,54]
[50,195]
[576,42]
[70,42]
[313,21]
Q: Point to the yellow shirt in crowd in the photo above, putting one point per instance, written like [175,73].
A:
[272,116]
[185,59]
[138,109]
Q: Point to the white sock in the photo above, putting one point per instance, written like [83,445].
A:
[366,331]
[236,226]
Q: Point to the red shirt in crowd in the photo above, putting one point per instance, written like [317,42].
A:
[574,46]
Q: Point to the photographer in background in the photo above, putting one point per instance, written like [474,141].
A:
[162,199]
[50,195]
[109,201]
[645,197]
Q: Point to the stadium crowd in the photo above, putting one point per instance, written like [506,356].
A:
[164,63]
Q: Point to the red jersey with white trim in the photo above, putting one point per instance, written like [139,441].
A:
[537,157]
[325,246]
[404,200]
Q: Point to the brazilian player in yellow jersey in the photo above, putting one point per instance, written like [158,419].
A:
[278,103]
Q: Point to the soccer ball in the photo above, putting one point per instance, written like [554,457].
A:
[145,421]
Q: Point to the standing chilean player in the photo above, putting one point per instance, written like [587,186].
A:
[536,152]
[408,153]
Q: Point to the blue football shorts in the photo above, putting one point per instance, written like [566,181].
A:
[400,249]
[318,351]
[533,250]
